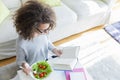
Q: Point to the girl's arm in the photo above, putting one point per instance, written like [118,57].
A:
[57,51]
[54,49]
[26,68]
[21,61]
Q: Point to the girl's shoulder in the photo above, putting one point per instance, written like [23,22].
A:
[20,41]
[40,37]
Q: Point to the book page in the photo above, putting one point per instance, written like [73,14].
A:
[64,61]
[77,76]
[76,70]
[70,52]
[63,64]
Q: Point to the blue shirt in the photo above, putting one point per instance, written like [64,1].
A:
[34,50]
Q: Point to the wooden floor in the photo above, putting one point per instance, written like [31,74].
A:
[12,59]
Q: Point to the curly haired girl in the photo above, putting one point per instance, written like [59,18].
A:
[33,21]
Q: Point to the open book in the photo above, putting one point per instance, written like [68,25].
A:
[67,60]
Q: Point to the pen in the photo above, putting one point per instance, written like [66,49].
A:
[54,56]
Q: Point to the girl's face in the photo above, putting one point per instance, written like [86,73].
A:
[44,28]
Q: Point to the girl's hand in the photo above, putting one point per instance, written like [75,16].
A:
[57,52]
[26,68]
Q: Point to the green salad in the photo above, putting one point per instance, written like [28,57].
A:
[41,70]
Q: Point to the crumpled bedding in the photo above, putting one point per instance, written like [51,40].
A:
[9,71]
[7,49]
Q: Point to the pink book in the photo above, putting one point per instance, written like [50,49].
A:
[67,73]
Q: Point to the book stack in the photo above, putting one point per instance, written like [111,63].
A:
[76,74]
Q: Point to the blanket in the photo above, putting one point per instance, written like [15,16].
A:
[9,71]
[114,31]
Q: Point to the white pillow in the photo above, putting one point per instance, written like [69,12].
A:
[109,2]
[92,6]
[82,7]
[12,3]
[64,15]
[4,12]
[7,30]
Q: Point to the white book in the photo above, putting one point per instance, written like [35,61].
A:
[67,60]
[77,76]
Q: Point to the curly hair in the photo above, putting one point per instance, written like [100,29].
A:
[30,16]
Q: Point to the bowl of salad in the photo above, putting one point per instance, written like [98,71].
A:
[41,70]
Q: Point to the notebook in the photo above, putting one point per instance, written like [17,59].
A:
[75,74]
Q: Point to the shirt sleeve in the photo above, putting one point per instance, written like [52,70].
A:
[20,56]
[50,45]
